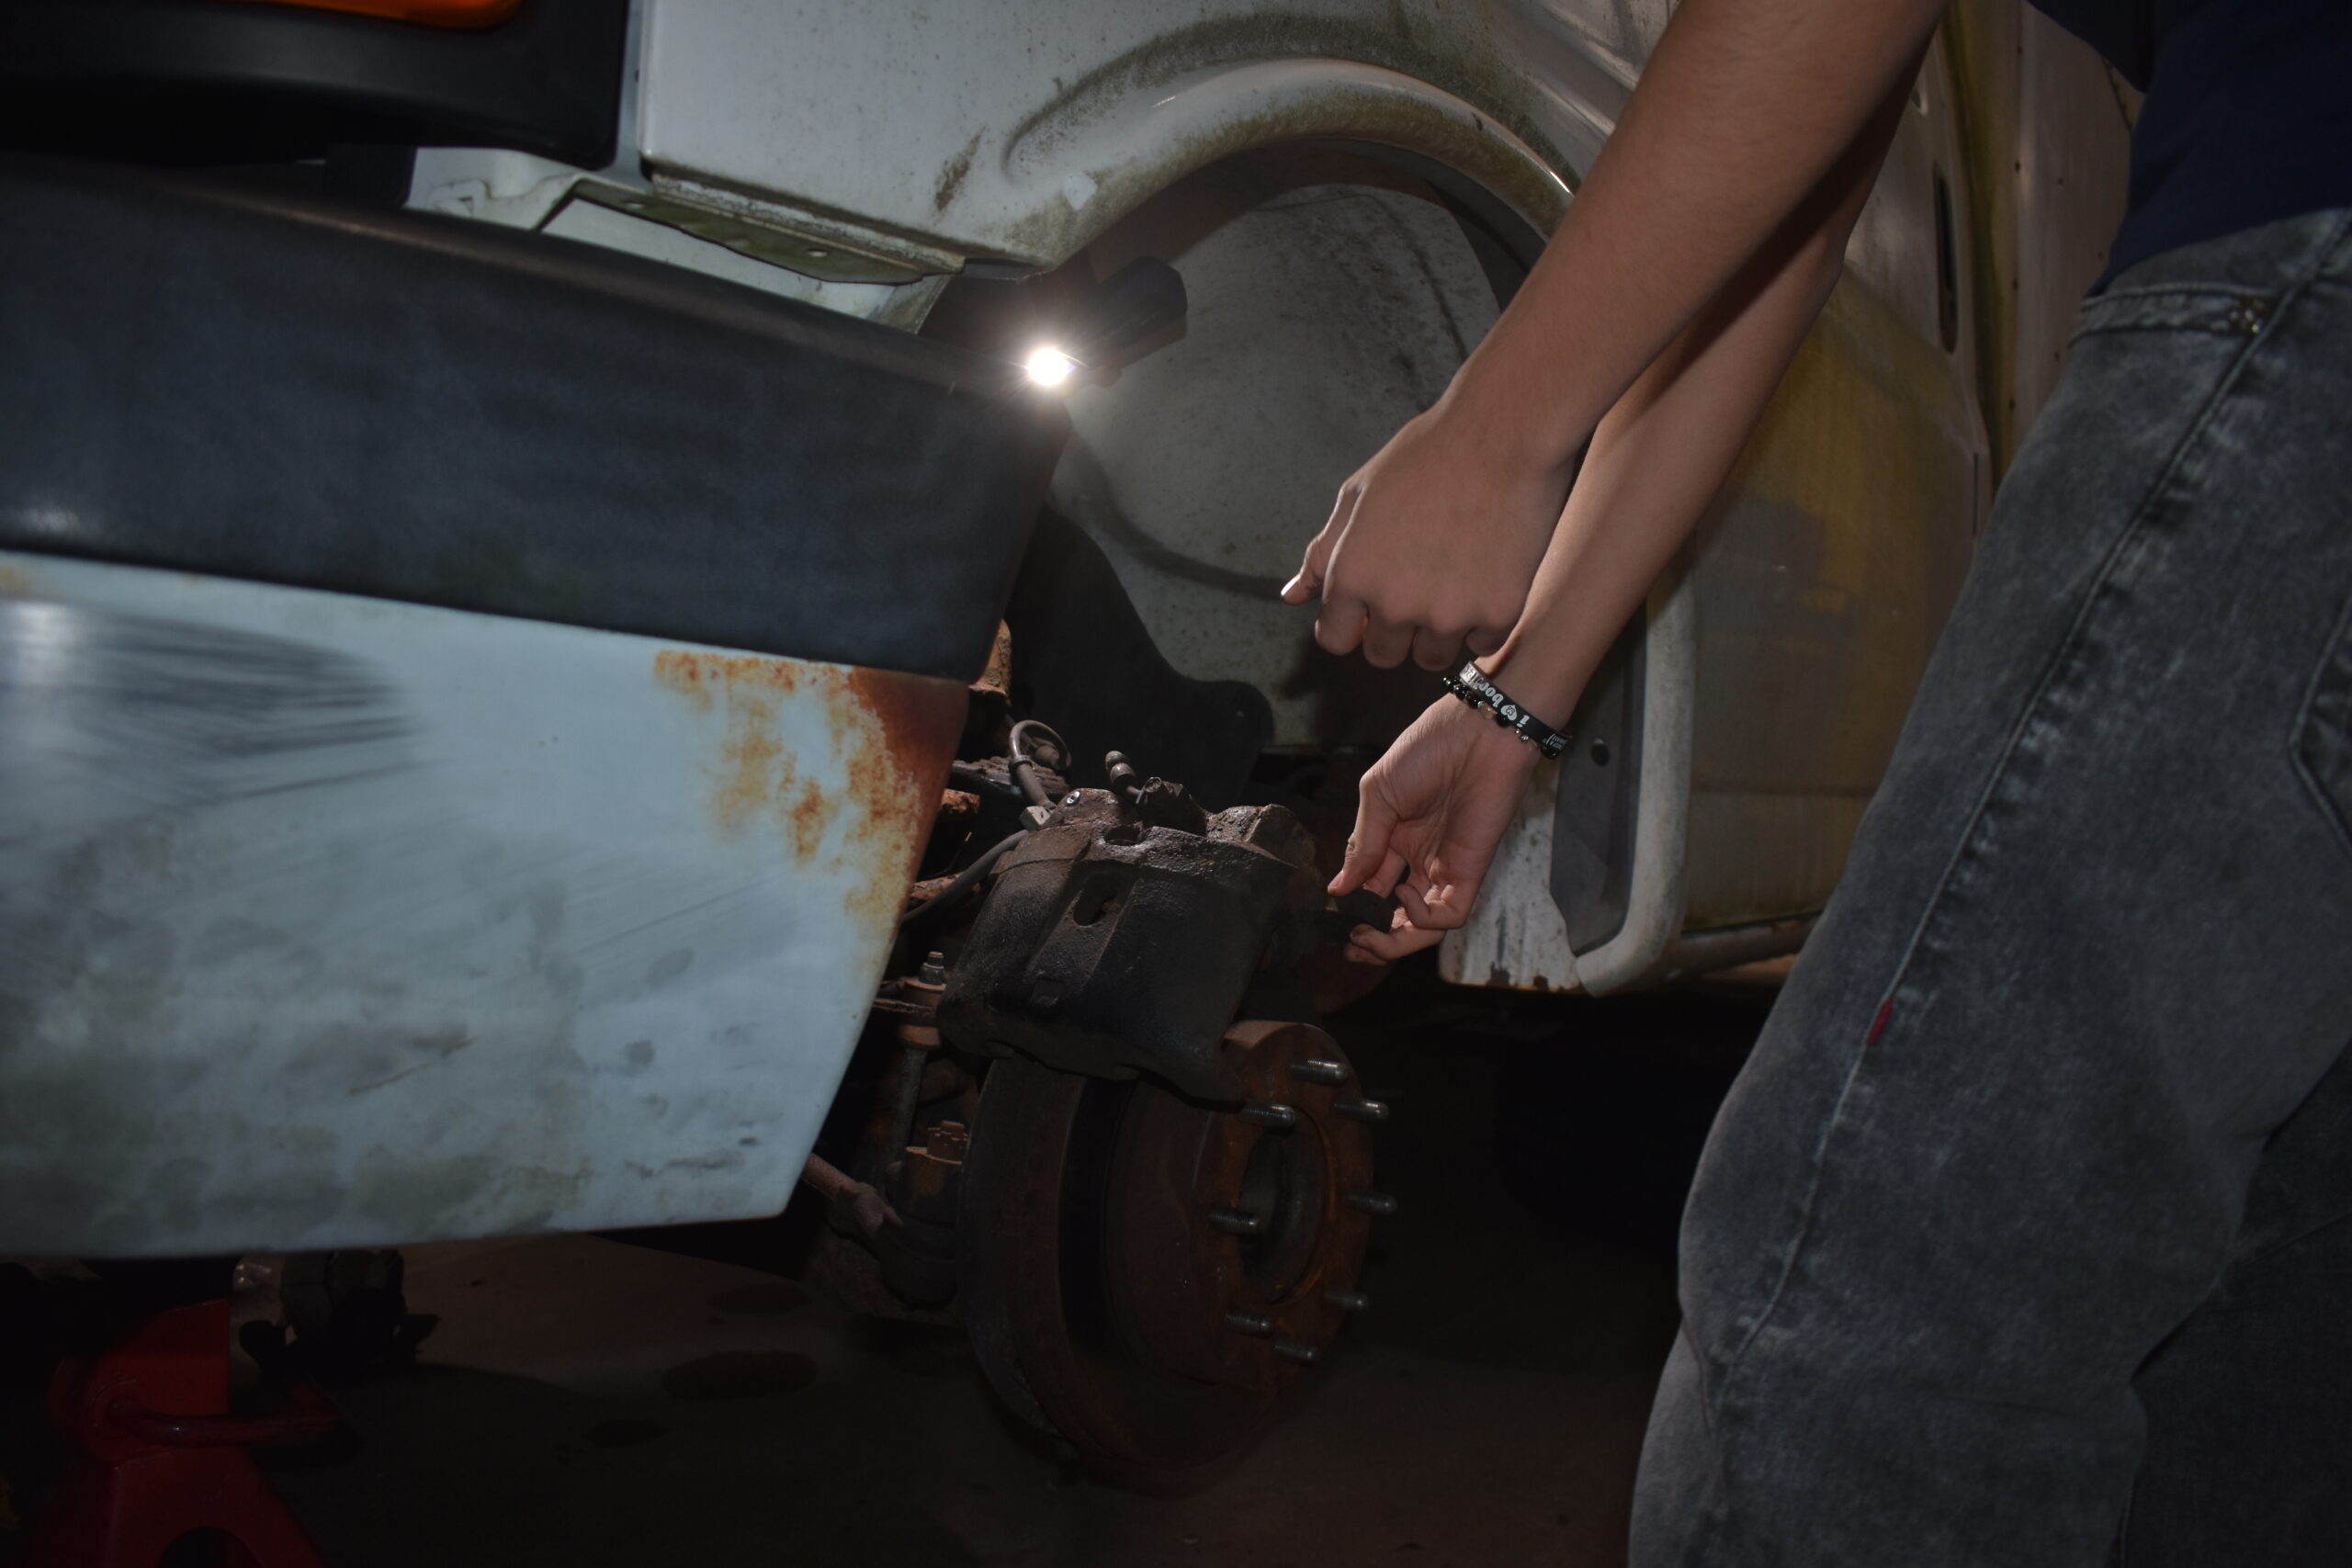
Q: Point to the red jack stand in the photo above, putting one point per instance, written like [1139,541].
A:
[161,1455]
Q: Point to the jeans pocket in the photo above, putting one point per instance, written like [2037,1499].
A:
[2218,309]
[2323,732]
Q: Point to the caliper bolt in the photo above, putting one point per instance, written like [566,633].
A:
[1258,1113]
[1319,1069]
[1122,775]
[1249,1323]
[1236,1221]
[1379,1203]
[1376,1112]
[1348,1300]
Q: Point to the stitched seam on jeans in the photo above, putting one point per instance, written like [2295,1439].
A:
[2334,664]
[2044,680]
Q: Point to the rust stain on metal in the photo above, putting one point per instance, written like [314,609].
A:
[748,779]
[809,815]
[703,678]
[894,734]
[914,722]
[756,776]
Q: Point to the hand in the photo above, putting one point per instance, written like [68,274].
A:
[1428,818]
[1432,541]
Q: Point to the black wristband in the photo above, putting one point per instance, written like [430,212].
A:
[1473,687]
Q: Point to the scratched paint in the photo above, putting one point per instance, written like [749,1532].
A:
[327,922]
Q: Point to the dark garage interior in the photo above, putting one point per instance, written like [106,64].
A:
[676,1397]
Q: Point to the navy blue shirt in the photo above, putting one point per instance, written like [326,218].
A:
[2248,117]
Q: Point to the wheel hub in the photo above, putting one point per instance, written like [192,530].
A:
[1144,1273]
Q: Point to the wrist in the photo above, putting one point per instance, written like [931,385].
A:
[1471,687]
[1546,683]
[1509,419]
[1543,666]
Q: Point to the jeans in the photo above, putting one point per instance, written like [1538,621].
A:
[2026,1237]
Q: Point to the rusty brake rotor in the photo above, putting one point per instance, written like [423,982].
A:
[1143,1272]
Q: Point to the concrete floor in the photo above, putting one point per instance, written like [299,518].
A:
[589,1402]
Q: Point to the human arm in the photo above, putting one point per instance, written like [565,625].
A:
[1432,809]
[1742,113]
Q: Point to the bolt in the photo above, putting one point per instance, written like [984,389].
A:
[1375,1112]
[1236,1222]
[1070,799]
[1249,1323]
[935,970]
[1347,1301]
[1258,1113]
[1292,1351]
[1318,1069]
[1378,1203]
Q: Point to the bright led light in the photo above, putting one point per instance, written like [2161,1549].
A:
[1049,367]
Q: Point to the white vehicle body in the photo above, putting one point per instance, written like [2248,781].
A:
[1347,189]
[861,152]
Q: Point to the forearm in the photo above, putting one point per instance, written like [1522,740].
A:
[1744,109]
[1662,453]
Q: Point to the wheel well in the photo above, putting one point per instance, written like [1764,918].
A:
[1334,289]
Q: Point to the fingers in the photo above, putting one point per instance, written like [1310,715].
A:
[1484,640]
[1342,625]
[1308,583]
[1435,650]
[1315,565]
[1422,921]
[1368,849]
[1303,588]
[1386,643]
[1366,945]
[1440,911]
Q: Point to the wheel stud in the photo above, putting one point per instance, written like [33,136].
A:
[1319,1069]
[1379,1203]
[1292,1351]
[1260,1114]
[1249,1323]
[1372,1111]
[1348,1300]
[1238,1222]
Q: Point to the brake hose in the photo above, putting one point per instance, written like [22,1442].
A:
[964,880]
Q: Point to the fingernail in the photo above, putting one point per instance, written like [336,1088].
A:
[1288,586]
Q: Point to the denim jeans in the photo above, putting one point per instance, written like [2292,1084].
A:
[2026,1237]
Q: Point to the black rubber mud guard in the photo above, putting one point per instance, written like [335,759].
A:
[200,376]
[1083,660]
[214,81]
